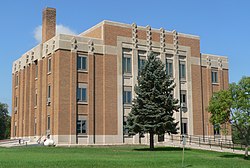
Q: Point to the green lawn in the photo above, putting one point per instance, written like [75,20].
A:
[116,156]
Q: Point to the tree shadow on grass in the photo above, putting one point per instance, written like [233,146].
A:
[161,149]
[235,156]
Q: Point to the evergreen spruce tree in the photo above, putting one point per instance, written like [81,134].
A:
[153,107]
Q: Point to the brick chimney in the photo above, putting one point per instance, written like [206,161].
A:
[49,24]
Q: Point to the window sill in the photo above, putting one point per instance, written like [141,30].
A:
[82,71]
[36,79]
[81,102]
[215,83]
[183,80]
[127,76]
[48,73]
[35,107]
[82,135]
[127,105]
[127,136]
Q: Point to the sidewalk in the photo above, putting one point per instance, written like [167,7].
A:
[201,147]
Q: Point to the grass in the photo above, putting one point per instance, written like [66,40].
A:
[116,156]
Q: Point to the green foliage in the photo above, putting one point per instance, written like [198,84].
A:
[153,108]
[4,122]
[233,105]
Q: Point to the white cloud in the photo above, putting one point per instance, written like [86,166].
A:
[60,29]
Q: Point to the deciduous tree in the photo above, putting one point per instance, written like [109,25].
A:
[4,121]
[233,105]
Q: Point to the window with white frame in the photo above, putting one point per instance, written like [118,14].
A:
[126,64]
[169,67]
[182,70]
[214,75]
[127,95]
[82,62]
[81,125]
[82,92]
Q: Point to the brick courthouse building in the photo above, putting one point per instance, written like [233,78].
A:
[78,88]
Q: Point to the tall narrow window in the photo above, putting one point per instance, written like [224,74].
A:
[35,125]
[183,98]
[127,95]
[49,91]
[182,70]
[82,62]
[184,127]
[126,63]
[81,125]
[36,98]
[169,67]
[16,80]
[141,62]
[15,128]
[49,65]
[48,122]
[16,101]
[82,92]
[36,69]
[214,75]
[125,129]
[141,59]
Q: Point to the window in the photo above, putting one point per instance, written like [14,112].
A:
[82,62]
[36,69]
[214,76]
[141,60]
[182,69]
[81,126]
[36,98]
[184,129]
[16,82]
[127,95]
[16,101]
[216,129]
[48,122]
[49,91]
[125,129]
[49,65]
[183,98]
[169,67]
[15,128]
[82,92]
[35,125]
[141,63]
[126,62]
[157,55]
[161,138]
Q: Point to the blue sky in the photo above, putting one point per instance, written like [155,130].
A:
[223,26]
